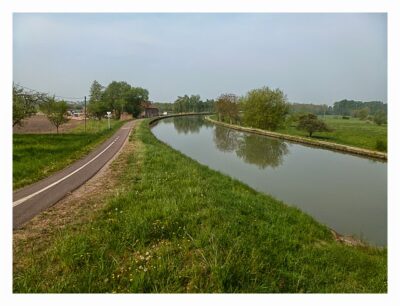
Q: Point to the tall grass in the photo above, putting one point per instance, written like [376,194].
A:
[181,227]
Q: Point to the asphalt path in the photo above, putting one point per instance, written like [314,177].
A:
[32,199]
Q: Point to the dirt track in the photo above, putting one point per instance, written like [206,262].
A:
[39,124]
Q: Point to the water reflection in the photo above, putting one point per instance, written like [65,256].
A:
[189,124]
[263,152]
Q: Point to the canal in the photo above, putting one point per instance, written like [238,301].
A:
[347,193]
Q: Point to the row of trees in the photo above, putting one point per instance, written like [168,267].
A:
[264,108]
[27,104]
[193,103]
[117,97]
[352,107]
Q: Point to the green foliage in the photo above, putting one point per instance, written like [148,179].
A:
[177,226]
[55,111]
[134,98]
[97,106]
[381,145]
[315,109]
[311,124]
[380,118]
[362,113]
[186,104]
[265,108]
[347,107]
[115,96]
[227,107]
[24,104]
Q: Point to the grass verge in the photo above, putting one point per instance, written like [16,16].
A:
[36,156]
[178,226]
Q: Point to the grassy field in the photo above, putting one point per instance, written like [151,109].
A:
[178,226]
[36,156]
[351,132]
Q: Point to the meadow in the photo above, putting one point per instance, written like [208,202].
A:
[353,132]
[36,156]
[177,226]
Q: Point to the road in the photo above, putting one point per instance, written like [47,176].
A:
[32,199]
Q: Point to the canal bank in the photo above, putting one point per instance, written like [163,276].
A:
[174,225]
[348,193]
[306,141]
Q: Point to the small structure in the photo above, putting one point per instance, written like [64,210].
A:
[148,110]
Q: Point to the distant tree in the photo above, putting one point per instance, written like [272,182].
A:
[362,113]
[311,124]
[380,118]
[24,104]
[134,99]
[97,106]
[227,107]
[96,91]
[265,108]
[115,96]
[55,111]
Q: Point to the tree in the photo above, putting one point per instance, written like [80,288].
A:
[362,113]
[265,108]
[134,99]
[380,118]
[24,104]
[227,107]
[115,96]
[97,106]
[55,111]
[311,124]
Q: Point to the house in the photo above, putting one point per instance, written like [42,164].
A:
[148,110]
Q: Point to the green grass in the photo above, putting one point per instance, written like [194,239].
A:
[179,226]
[36,156]
[352,132]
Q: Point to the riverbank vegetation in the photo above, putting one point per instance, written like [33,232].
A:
[36,156]
[178,226]
[269,109]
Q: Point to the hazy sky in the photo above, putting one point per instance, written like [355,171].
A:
[314,58]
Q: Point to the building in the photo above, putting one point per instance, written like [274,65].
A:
[148,110]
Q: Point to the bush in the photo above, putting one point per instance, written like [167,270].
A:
[381,145]
[345,117]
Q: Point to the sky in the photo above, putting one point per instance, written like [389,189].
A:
[313,58]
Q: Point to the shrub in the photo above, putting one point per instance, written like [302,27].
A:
[381,145]
[345,117]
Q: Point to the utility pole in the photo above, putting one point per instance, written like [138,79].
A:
[85,114]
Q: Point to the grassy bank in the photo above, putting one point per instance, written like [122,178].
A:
[36,156]
[351,132]
[177,226]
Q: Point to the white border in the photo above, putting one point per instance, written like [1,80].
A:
[7,7]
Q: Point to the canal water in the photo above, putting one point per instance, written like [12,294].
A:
[347,193]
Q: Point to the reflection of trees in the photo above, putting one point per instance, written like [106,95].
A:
[253,149]
[262,151]
[225,139]
[188,124]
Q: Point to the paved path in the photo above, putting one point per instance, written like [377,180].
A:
[32,199]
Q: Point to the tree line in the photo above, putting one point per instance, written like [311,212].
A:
[116,97]
[264,108]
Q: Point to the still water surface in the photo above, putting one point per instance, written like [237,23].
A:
[347,193]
